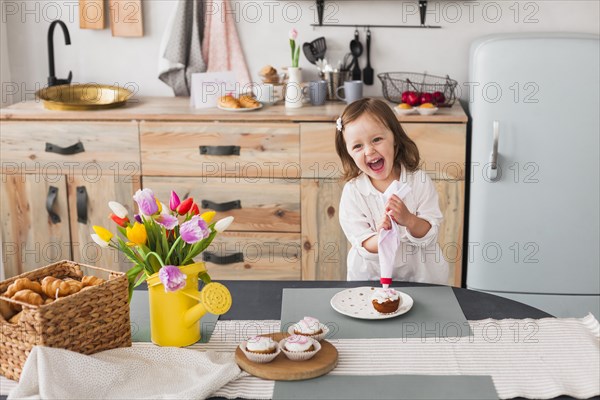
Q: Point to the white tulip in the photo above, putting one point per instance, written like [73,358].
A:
[99,240]
[223,224]
[118,209]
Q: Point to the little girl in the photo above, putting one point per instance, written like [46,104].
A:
[375,151]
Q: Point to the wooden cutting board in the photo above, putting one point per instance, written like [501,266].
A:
[91,14]
[126,18]
[284,369]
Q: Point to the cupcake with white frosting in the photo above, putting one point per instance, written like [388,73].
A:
[299,348]
[260,349]
[311,327]
[385,301]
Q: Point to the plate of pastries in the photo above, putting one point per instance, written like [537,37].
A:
[238,104]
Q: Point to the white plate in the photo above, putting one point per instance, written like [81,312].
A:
[405,111]
[240,109]
[356,303]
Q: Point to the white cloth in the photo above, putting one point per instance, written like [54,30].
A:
[125,373]
[418,259]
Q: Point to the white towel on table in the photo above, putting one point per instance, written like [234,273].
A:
[125,373]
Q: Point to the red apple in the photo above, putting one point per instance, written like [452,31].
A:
[412,98]
[426,98]
[439,98]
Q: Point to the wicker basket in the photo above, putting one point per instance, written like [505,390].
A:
[87,322]
[396,83]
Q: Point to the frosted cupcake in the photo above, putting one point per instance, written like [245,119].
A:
[311,327]
[385,301]
[260,349]
[299,348]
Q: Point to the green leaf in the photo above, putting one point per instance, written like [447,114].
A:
[204,277]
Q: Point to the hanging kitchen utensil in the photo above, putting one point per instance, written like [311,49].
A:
[319,47]
[309,53]
[356,49]
[126,18]
[368,71]
[91,14]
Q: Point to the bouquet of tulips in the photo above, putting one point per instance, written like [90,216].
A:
[160,239]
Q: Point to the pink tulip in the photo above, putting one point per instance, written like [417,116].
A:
[293,34]
[174,201]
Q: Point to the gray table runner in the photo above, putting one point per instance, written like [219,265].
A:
[140,319]
[385,387]
[435,313]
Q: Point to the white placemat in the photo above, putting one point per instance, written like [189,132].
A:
[529,358]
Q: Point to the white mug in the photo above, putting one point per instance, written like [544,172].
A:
[265,93]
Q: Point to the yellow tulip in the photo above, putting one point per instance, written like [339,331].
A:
[137,233]
[159,204]
[208,216]
[103,233]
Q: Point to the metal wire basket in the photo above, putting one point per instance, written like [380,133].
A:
[396,83]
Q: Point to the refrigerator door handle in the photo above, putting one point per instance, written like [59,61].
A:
[494,154]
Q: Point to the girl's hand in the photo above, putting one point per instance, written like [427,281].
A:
[398,211]
[385,223]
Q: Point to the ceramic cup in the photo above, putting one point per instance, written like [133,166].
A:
[316,91]
[265,93]
[353,90]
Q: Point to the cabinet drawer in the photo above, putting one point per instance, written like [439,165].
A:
[264,204]
[36,147]
[220,149]
[256,256]
[442,148]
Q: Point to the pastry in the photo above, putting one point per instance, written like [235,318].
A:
[298,343]
[91,281]
[268,70]
[23,283]
[29,296]
[261,345]
[385,301]
[248,102]
[308,326]
[6,309]
[229,101]
[55,288]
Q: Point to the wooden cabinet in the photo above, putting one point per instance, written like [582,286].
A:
[276,171]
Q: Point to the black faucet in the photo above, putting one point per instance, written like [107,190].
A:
[52,80]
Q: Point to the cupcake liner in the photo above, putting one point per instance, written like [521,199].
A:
[300,355]
[257,357]
[318,337]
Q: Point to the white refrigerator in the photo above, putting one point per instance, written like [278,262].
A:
[533,217]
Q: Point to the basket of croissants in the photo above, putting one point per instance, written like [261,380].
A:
[66,305]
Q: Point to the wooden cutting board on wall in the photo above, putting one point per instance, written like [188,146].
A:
[91,14]
[126,18]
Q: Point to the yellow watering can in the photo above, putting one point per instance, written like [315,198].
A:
[174,316]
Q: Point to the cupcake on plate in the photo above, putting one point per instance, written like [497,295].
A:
[299,348]
[260,349]
[385,301]
[311,327]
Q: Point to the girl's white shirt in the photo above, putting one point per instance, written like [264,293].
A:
[418,259]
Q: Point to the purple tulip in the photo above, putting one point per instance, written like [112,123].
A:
[146,201]
[174,201]
[194,230]
[138,218]
[167,220]
[172,278]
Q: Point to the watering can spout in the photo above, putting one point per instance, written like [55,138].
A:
[214,298]
[194,314]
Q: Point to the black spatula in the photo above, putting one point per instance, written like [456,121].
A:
[368,71]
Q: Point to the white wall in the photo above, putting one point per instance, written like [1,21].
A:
[263,26]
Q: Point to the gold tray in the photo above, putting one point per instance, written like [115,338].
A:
[83,97]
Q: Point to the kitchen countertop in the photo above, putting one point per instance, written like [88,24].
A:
[178,109]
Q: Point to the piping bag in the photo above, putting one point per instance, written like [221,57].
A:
[389,240]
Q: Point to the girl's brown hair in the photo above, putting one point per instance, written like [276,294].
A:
[406,153]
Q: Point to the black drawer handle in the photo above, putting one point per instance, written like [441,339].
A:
[207,256]
[220,150]
[73,149]
[50,200]
[230,205]
[82,200]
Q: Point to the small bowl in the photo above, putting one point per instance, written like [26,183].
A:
[404,111]
[427,111]
[317,337]
[257,357]
[300,355]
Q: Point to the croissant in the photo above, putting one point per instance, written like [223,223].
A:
[55,288]
[29,296]
[248,102]
[229,102]
[23,283]
[91,281]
